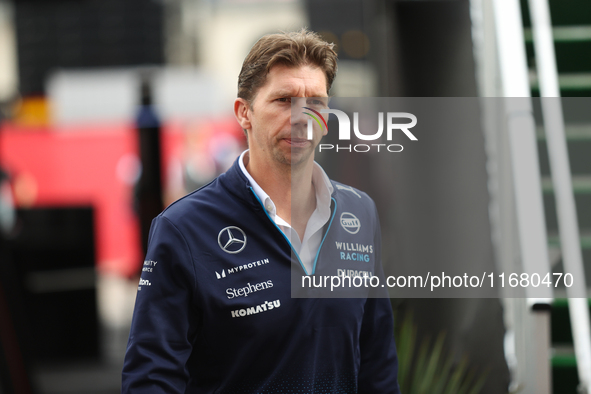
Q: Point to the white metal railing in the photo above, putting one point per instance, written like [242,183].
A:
[563,189]
[515,185]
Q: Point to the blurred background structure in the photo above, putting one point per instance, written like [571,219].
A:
[110,110]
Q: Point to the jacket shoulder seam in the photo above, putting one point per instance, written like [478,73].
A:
[186,246]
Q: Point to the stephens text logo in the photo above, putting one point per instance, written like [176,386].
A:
[248,289]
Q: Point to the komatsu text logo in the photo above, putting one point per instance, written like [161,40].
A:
[345,130]
[253,310]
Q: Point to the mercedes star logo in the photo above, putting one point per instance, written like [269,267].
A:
[232,239]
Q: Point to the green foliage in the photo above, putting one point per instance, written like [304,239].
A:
[431,371]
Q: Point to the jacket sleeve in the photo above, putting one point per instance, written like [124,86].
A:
[165,318]
[378,372]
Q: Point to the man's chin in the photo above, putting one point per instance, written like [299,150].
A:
[299,157]
[293,156]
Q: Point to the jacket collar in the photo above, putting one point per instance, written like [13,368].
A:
[236,183]
[239,186]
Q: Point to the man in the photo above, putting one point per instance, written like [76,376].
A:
[214,311]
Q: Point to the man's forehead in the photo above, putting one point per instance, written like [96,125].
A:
[292,83]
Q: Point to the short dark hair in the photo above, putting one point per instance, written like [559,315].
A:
[292,49]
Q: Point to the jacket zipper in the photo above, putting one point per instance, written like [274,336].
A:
[287,239]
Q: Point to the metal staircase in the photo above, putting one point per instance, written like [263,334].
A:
[571,31]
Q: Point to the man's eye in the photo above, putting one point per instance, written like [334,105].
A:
[284,99]
[317,102]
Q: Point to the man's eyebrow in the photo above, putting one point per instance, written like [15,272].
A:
[283,93]
[289,93]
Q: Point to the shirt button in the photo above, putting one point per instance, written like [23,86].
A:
[268,207]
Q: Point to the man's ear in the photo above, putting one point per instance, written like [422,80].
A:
[241,108]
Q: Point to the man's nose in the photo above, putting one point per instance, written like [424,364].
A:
[298,117]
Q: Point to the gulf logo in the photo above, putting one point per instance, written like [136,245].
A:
[350,222]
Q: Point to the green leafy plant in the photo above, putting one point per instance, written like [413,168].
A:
[431,371]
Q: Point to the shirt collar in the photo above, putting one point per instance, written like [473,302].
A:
[320,180]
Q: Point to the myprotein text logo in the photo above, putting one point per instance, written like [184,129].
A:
[241,267]
[393,123]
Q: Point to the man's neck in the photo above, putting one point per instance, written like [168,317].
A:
[290,188]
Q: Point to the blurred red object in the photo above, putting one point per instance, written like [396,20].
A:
[92,165]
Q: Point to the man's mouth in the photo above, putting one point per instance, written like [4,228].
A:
[298,142]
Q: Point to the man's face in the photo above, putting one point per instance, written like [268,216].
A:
[275,137]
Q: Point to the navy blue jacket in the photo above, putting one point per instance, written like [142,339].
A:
[217,308]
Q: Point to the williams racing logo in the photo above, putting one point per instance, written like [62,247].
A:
[350,222]
[232,239]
